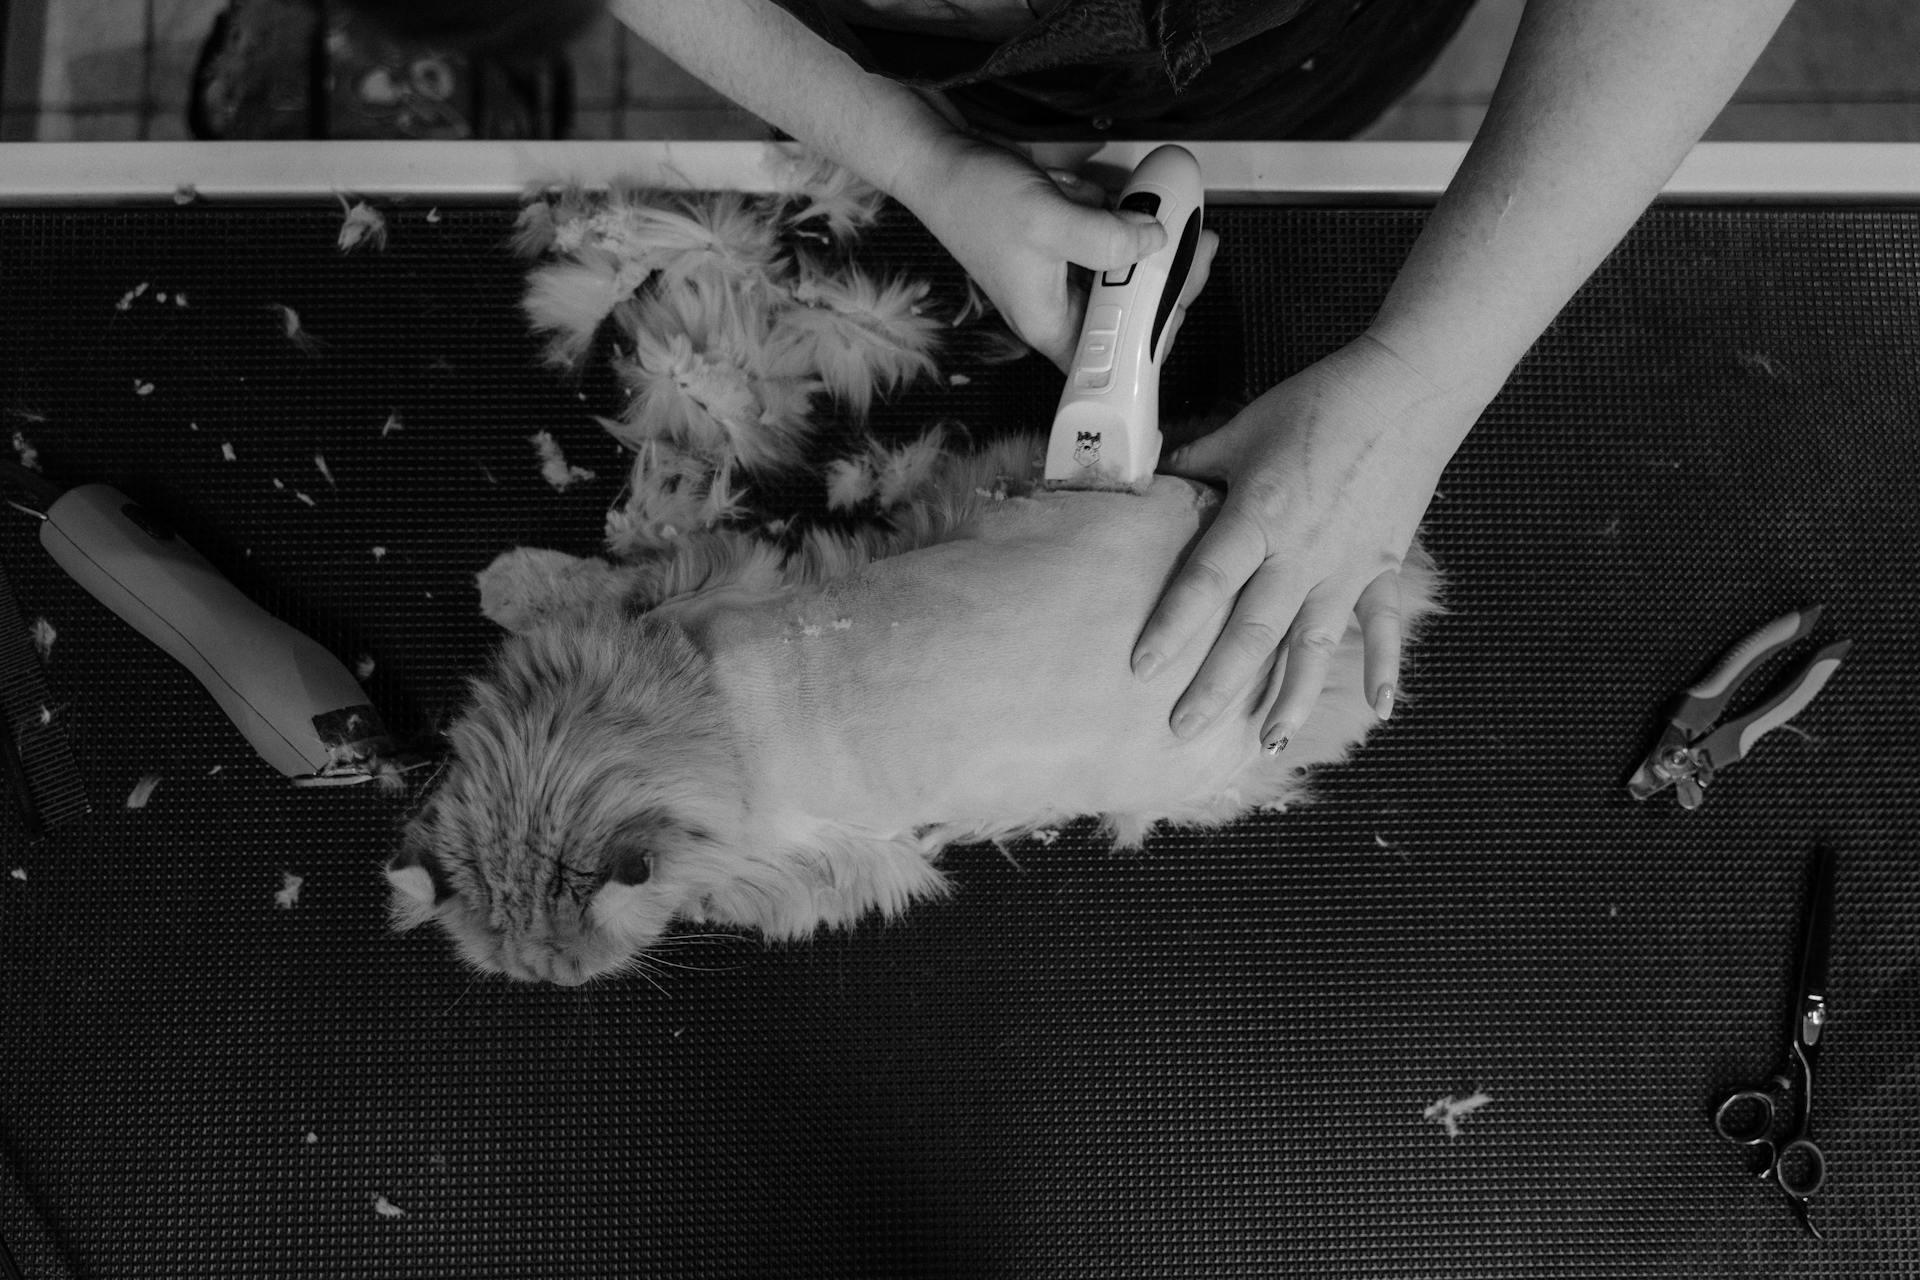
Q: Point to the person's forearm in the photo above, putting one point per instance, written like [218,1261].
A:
[1597,106]
[771,63]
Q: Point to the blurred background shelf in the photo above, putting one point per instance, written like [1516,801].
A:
[89,70]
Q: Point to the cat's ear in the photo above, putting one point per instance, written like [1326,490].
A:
[418,886]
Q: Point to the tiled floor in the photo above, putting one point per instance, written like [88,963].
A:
[86,69]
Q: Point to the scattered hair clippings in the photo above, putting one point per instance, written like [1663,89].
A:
[296,334]
[23,447]
[320,462]
[388,778]
[379,553]
[391,425]
[976,305]
[363,668]
[142,791]
[824,191]
[43,637]
[288,895]
[387,1208]
[1449,1111]
[186,193]
[888,475]
[1044,837]
[305,497]
[553,464]
[363,224]
[226,451]
[142,388]
[433,214]
[850,482]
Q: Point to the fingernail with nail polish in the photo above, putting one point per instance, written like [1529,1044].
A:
[1275,744]
[1383,702]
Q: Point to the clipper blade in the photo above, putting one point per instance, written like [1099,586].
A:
[1093,447]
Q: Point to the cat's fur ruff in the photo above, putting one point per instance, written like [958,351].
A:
[781,747]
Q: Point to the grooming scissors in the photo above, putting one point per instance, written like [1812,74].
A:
[1756,1117]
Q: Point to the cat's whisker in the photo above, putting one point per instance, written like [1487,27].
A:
[694,968]
[683,938]
[471,984]
[639,966]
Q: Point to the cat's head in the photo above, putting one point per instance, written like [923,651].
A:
[590,777]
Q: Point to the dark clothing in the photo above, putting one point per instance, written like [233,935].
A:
[1191,69]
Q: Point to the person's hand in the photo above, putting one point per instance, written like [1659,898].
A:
[1328,475]
[1018,229]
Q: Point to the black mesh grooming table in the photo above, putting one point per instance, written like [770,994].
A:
[1210,1060]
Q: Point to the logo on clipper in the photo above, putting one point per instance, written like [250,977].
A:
[1086,447]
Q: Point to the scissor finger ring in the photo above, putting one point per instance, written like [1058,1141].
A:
[1746,1117]
[1800,1168]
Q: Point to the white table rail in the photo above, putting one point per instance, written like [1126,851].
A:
[1282,172]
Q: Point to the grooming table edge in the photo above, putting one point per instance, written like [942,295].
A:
[1280,172]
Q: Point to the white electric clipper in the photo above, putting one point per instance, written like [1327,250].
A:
[1106,433]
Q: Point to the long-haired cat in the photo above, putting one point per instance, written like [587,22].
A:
[748,743]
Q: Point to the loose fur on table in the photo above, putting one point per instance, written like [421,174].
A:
[715,728]
[732,317]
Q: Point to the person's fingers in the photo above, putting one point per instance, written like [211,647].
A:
[1381,632]
[1100,240]
[1078,235]
[1311,644]
[1078,189]
[1062,329]
[1240,653]
[1228,554]
[1209,457]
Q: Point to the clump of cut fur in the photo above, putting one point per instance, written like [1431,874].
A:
[729,321]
